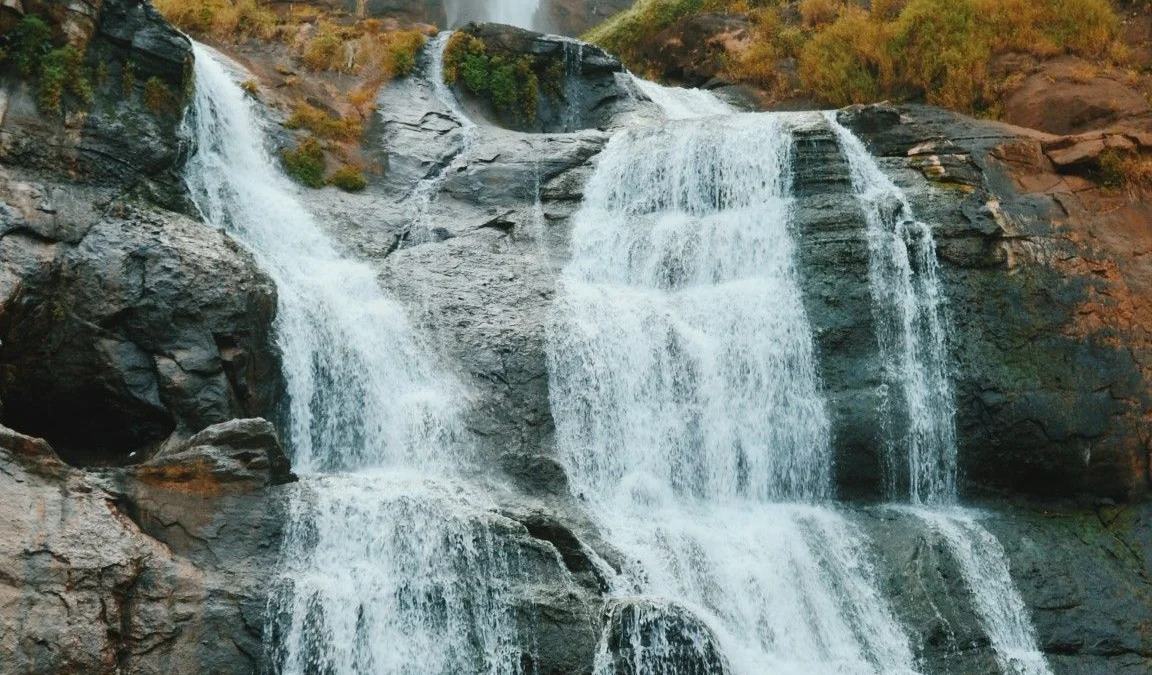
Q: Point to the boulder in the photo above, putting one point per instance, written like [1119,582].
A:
[151,324]
[235,455]
[1068,95]
[659,638]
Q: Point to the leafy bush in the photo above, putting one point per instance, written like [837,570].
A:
[28,44]
[934,50]
[508,82]
[55,70]
[62,69]
[349,179]
[305,164]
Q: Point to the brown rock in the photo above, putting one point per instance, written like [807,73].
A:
[1080,153]
[1069,95]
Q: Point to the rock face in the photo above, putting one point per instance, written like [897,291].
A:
[120,323]
[125,328]
[148,324]
[84,590]
[1046,279]
[575,17]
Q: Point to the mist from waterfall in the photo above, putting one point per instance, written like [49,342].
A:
[519,13]
[384,545]
[689,412]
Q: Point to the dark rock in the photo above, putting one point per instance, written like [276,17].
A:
[869,119]
[657,638]
[243,454]
[1038,267]
[152,324]
[580,85]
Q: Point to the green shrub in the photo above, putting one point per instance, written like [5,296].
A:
[934,50]
[62,70]
[28,44]
[349,179]
[305,164]
[508,82]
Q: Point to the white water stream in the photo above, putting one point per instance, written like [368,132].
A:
[908,305]
[688,409]
[384,546]
[519,13]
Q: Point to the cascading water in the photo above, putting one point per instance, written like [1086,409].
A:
[904,279]
[380,560]
[519,13]
[679,103]
[905,285]
[688,409]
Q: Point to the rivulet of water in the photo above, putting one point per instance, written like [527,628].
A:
[908,299]
[907,303]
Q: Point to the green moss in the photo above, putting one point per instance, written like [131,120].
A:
[159,98]
[349,179]
[305,164]
[128,79]
[62,70]
[510,83]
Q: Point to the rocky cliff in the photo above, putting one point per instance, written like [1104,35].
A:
[136,341]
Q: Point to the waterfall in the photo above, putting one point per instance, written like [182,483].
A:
[903,275]
[679,103]
[908,305]
[383,547]
[689,412]
[985,570]
[519,13]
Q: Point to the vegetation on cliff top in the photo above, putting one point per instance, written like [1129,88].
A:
[56,69]
[508,82]
[851,51]
[323,53]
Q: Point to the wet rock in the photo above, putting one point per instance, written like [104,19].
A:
[1041,271]
[647,636]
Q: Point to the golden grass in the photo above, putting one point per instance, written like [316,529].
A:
[934,50]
